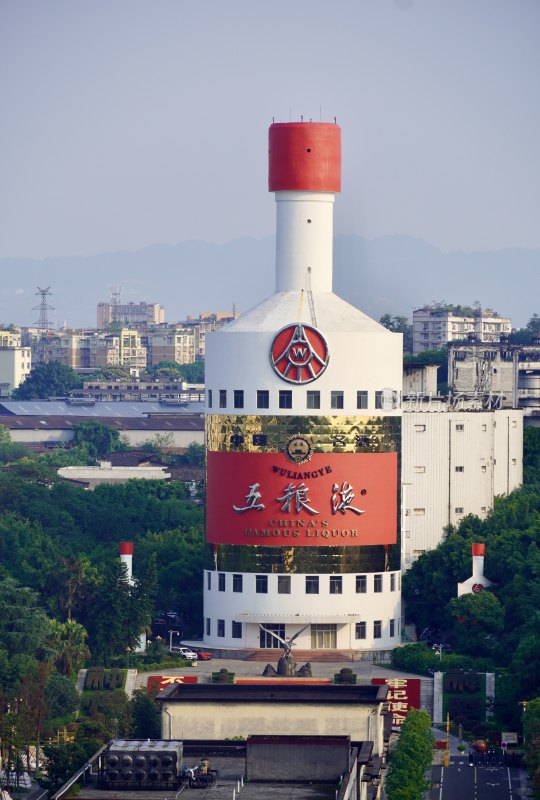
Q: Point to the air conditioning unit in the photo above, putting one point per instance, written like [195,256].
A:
[143,762]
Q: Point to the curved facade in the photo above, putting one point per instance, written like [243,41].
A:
[303,436]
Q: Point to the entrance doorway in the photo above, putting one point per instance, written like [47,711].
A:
[323,637]
[266,640]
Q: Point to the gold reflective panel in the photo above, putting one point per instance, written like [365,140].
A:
[253,558]
[325,434]
[331,434]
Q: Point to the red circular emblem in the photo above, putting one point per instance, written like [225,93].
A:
[477,587]
[299,353]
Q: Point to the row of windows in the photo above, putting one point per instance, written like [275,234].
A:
[361,629]
[420,512]
[285,397]
[335,583]
[236,628]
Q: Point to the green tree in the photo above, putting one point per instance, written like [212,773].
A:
[53,379]
[11,451]
[406,779]
[113,373]
[531,731]
[195,455]
[98,439]
[478,622]
[145,716]
[402,325]
[61,696]
[67,640]
[23,623]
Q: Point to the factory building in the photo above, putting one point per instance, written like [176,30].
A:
[303,436]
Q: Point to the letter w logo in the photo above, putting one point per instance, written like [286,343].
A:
[299,351]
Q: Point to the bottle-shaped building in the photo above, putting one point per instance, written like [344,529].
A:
[303,439]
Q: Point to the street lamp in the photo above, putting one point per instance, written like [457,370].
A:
[438,649]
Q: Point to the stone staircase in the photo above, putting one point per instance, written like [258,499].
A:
[272,655]
[131,678]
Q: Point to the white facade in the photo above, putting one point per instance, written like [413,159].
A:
[342,607]
[372,600]
[455,463]
[15,366]
[434,327]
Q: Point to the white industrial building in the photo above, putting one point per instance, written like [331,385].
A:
[455,463]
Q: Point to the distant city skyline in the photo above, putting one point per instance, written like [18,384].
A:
[130,124]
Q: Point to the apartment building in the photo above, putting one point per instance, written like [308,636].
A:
[436,326]
[130,314]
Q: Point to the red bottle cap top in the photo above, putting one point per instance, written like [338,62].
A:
[304,156]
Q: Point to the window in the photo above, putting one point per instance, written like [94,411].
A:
[360,630]
[223,398]
[312,584]
[377,629]
[460,427]
[221,627]
[484,468]
[459,509]
[420,428]
[392,627]
[263,398]
[361,584]
[378,399]
[208,626]
[392,581]
[209,397]
[237,630]
[336,399]
[239,398]
[336,584]
[419,512]
[377,583]
[285,398]
[237,583]
[361,399]
[209,580]
[313,399]
[419,470]
[284,584]
[261,584]
[323,637]
[221,582]
[460,469]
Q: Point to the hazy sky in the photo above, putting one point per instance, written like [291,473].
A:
[131,122]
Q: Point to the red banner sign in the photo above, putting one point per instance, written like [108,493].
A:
[339,499]
[403,694]
[162,681]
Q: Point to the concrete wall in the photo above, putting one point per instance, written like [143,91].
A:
[302,759]
[226,720]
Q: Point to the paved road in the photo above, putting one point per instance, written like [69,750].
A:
[460,781]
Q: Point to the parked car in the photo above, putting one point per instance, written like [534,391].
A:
[184,652]
[204,655]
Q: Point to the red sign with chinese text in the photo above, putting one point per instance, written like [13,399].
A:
[403,694]
[339,499]
[162,681]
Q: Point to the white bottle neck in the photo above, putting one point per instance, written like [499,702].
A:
[304,241]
